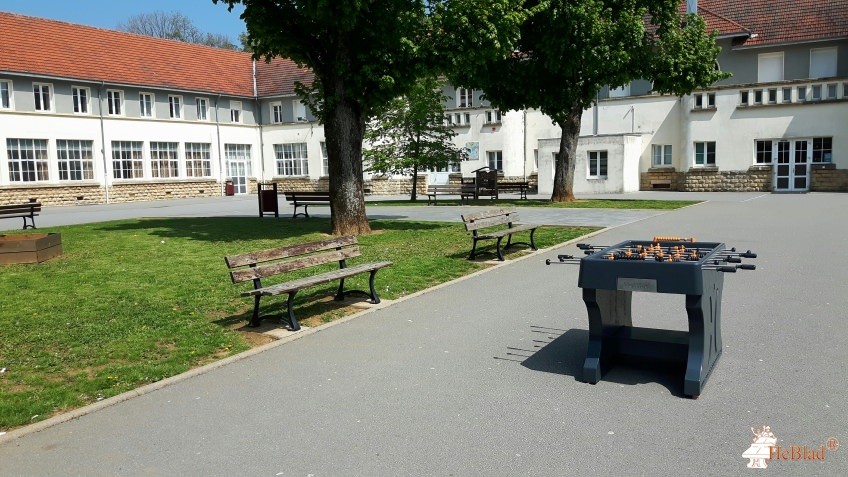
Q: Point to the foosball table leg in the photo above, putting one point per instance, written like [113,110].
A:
[609,313]
[705,346]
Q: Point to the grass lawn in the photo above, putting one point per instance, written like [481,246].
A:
[132,302]
[577,204]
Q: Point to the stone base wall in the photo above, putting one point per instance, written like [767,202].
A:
[660,179]
[143,191]
[379,185]
[827,178]
[755,179]
[54,195]
[301,184]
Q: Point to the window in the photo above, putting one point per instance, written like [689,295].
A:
[27,159]
[202,109]
[76,160]
[743,98]
[235,111]
[786,95]
[80,97]
[492,116]
[164,159]
[822,149]
[238,160]
[145,104]
[831,91]
[661,154]
[448,119]
[292,159]
[5,94]
[597,164]
[769,67]
[276,113]
[802,93]
[817,92]
[758,96]
[175,105]
[762,154]
[41,92]
[772,95]
[127,160]
[198,159]
[299,111]
[495,160]
[711,100]
[114,98]
[822,62]
[705,153]
[464,98]
[325,162]
[535,160]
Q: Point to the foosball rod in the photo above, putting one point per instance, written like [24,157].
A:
[563,260]
[730,268]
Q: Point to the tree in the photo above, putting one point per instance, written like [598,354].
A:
[410,134]
[363,55]
[570,49]
[173,26]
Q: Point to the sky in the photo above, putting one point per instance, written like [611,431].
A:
[207,16]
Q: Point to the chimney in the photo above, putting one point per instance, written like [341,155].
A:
[692,6]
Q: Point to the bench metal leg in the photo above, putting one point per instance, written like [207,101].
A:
[32,222]
[473,250]
[341,293]
[255,319]
[532,244]
[305,212]
[500,255]
[290,305]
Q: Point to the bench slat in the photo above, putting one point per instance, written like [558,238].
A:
[316,279]
[19,209]
[292,265]
[502,233]
[287,251]
[491,222]
[485,214]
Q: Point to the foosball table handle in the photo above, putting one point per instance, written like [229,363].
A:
[747,266]
[726,269]
[748,254]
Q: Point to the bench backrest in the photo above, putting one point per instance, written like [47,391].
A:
[310,195]
[20,209]
[489,218]
[249,266]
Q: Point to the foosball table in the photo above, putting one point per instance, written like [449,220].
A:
[610,274]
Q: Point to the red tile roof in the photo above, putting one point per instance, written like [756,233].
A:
[773,22]
[37,46]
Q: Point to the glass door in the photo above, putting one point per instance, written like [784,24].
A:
[792,166]
[237,171]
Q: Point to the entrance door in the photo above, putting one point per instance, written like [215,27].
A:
[238,174]
[792,171]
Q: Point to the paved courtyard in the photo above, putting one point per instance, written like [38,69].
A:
[479,377]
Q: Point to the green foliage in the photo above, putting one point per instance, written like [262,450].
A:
[410,134]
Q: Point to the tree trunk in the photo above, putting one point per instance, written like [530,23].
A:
[414,195]
[567,156]
[344,130]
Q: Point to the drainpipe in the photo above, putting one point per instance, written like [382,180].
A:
[524,123]
[259,121]
[103,140]
[595,114]
[220,156]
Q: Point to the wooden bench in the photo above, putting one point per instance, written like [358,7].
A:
[520,187]
[305,199]
[256,266]
[493,221]
[464,191]
[25,211]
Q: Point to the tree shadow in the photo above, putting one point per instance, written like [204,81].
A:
[231,229]
[564,354]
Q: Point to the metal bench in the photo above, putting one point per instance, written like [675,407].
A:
[24,211]
[256,266]
[488,225]
[464,191]
[305,199]
[520,187]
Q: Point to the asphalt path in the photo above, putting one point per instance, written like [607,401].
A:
[480,377]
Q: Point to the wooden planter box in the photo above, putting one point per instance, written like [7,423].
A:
[29,248]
